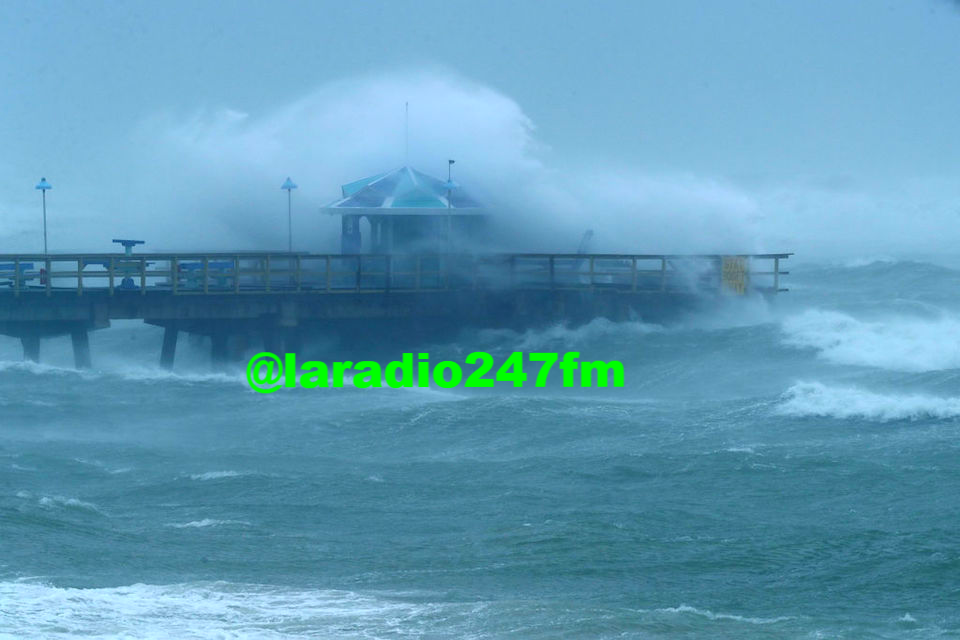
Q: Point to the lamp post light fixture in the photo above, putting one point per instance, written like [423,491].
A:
[43,185]
[288,186]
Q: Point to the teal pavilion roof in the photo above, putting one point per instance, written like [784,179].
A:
[404,191]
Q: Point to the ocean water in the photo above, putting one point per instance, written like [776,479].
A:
[784,470]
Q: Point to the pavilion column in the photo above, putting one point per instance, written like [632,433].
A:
[388,239]
[350,237]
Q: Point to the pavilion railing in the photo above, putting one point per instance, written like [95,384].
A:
[275,272]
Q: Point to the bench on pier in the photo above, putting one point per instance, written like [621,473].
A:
[8,273]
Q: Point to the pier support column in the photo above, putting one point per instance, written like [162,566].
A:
[31,348]
[559,306]
[237,347]
[218,349]
[271,340]
[169,350]
[81,347]
[292,340]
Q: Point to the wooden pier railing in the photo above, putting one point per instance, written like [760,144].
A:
[275,272]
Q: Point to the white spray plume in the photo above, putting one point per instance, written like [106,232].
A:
[227,167]
[211,180]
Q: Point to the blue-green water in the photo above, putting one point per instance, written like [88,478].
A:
[770,472]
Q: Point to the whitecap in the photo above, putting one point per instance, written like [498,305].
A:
[148,374]
[208,522]
[710,615]
[819,400]
[540,339]
[99,465]
[859,263]
[26,366]
[63,502]
[896,343]
[204,610]
[216,475]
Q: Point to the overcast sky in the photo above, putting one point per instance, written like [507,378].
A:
[755,98]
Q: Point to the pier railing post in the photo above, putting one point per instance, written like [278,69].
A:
[174,275]
[206,275]
[236,274]
[79,278]
[49,276]
[143,276]
[328,273]
[110,271]
[663,273]
[16,276]
[633,269]
[553,283]
[776,274]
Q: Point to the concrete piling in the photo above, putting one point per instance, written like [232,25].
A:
[169,351]
[31,347]
[271,339]
[292,340]
[219,349]
[81,347]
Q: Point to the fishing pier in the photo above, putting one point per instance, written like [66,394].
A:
[408,271]
[244,299]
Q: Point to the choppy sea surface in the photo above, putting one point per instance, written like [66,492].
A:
[784,470]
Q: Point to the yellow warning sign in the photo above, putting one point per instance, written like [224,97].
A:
[735,274]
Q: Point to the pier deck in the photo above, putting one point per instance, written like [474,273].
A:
[276,293]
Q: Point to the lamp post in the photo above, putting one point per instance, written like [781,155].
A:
[288,186]
[450,185]
[449,180]
[43,185]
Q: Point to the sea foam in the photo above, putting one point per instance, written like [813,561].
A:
[54,502]
[710,615]
[198,610]
[895,343]
[816,399]
[209,522]
[216,475]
